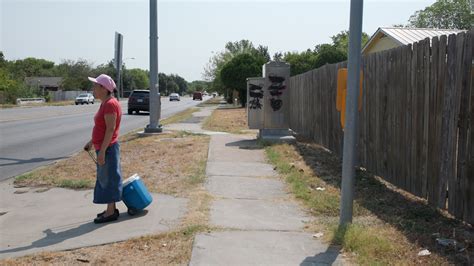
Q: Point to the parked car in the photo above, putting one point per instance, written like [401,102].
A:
[85,98]
[139,100]
[197,95]
[174,97]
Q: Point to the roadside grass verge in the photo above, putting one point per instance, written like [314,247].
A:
[211,102]
[389,227]
[60,103]
[168,163]
[181,116]
[227,120]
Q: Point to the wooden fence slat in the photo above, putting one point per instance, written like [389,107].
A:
[408,119]
[372,93]
[402,109]
[426,115]
[389,126]
[469,203]
[447,129]
[414,90]
[463,140]
[363,117]
[455,204]
[432,141]
[419,119]
[399,114]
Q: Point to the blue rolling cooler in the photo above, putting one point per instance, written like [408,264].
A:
[135,195]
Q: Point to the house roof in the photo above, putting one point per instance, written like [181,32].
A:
[44,81]
[404,36]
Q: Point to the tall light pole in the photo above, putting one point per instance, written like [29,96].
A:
[155,100]
[350,129]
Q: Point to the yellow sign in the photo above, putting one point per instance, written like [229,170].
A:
[342,93]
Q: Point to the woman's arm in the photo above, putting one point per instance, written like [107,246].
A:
[110,120]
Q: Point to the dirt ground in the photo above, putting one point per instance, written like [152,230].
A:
[233,120]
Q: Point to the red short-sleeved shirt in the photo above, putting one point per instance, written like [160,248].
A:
[110,106]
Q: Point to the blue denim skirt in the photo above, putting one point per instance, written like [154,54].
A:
[108,186]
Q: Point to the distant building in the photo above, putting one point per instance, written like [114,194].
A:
[45,83]
[386,38]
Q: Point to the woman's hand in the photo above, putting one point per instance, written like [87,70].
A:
[101,157]
[88,146]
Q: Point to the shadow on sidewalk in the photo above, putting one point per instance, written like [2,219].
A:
[32,160]
[250,144]
[52,238]
[327,257]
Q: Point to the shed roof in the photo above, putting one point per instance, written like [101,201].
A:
[44,81]
[404,36]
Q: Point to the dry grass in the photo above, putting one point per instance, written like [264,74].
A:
[211,102]
[181,116]
[59,103]
[227,120]
[390,226]
[168,163]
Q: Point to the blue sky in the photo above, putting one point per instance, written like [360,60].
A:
[189,31]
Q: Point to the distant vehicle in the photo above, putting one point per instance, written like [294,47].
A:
[197,95]
[139,100]
[85,98]
[174,97]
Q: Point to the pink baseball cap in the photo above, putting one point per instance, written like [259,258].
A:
[104,80]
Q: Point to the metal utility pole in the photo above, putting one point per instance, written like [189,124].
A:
[351,127]
[118,62]
[155,99]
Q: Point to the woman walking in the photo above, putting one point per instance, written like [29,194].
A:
[108,186]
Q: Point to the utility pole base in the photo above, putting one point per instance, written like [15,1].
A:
[157,129]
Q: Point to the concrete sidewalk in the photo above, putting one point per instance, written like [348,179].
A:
[34,220]
[262,226]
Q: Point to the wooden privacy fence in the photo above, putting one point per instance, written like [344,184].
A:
[416,126]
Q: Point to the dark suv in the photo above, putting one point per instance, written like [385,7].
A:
[197,95]
[138,101]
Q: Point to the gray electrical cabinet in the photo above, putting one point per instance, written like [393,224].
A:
[255,104]
[276,95]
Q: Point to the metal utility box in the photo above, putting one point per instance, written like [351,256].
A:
[255,104]
[276,95]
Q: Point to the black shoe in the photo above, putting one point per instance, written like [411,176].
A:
[102,213]
[104,219]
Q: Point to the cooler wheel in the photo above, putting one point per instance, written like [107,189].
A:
[132,211]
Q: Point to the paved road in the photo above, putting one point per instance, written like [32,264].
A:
[36,136]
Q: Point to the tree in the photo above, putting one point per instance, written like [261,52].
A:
[234,74]
[444,14]
[31,67]
[138,79]
[300,62]
[328,54]
[181,83]
[232,49]
[341,41]
[75,74]
[198,85]
[2,60]
[162,81]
